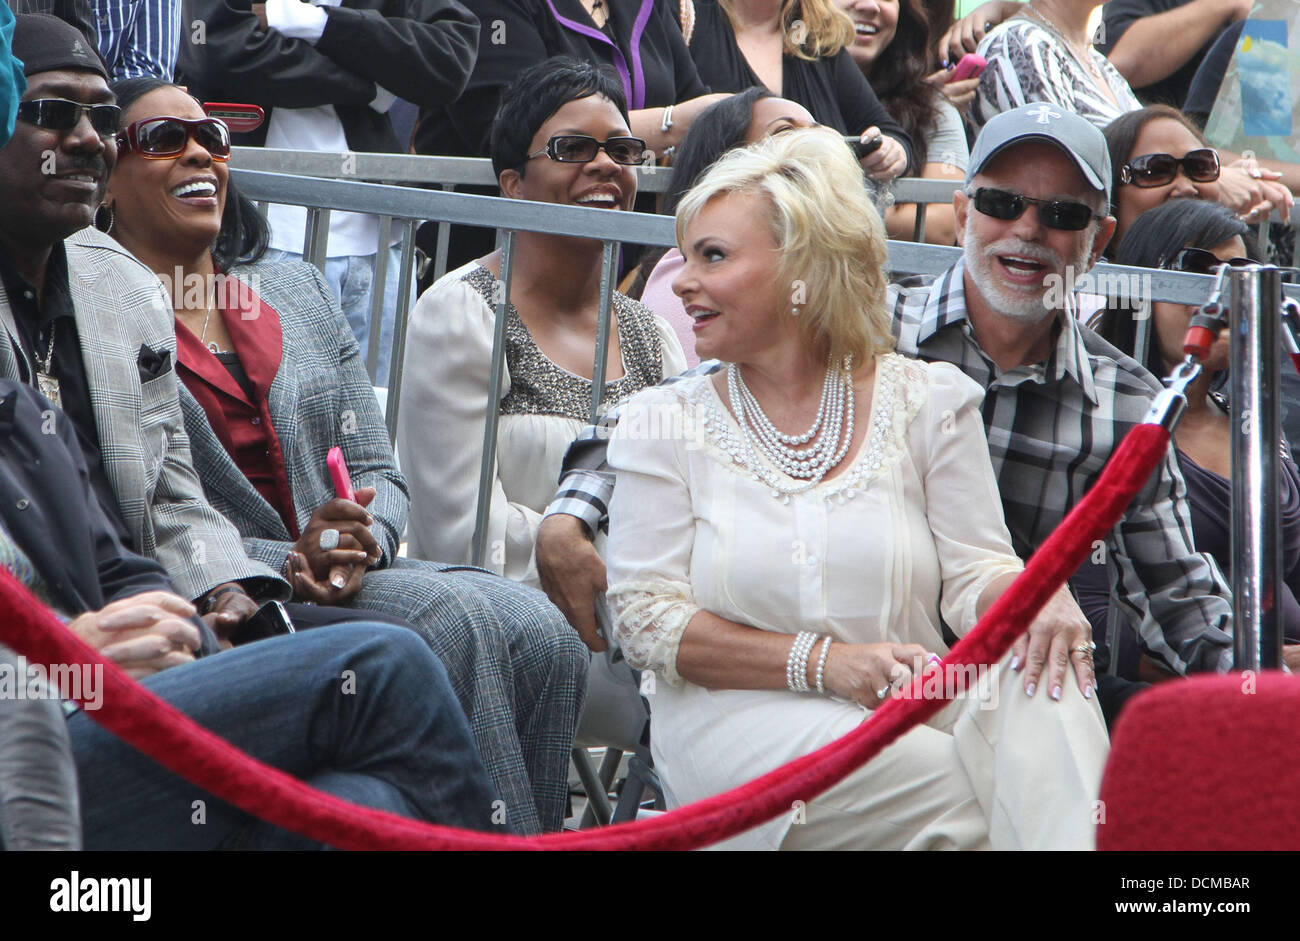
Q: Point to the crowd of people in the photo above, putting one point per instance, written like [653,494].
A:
[855,465]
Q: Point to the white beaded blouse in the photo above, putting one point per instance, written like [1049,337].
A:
[911,531]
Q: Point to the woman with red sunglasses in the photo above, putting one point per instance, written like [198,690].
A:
[1195,236]
[272,380]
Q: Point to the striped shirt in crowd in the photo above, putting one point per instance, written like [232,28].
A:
[1051,428]
[139,37]
[1027,64]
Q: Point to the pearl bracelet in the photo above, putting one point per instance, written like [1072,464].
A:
[821,664]
[796,665]
[667,122]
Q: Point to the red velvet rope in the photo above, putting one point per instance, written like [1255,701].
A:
[173,740]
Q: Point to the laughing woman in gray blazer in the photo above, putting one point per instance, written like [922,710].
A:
[272,380]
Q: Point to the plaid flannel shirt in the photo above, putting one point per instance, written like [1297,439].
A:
[1051,428]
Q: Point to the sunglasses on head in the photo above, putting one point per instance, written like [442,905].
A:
[1199,261]
[157,138]
[1201,166]
[578,148]
[1053,213]
[59,114]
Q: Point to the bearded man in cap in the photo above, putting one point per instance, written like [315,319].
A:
[65,290]
[1031,218]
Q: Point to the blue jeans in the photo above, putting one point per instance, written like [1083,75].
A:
[361,711]
[352,279]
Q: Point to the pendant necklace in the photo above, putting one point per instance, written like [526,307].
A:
[46,382]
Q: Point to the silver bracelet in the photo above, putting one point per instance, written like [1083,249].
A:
[796,665]
[668,119]
[821,665]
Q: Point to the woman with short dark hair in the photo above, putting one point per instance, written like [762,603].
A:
[561,137]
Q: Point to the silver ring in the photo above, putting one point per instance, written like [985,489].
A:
[329,539]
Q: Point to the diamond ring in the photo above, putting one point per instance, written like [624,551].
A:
[329,539]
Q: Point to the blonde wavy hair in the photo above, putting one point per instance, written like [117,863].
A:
[812,29]
[830,236]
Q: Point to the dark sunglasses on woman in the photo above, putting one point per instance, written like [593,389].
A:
[1199,261]
[59,114]
[578,148]
[1055,214]
[157,138]
[1201,166]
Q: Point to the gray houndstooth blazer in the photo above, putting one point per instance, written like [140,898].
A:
[119,306]
[321,396]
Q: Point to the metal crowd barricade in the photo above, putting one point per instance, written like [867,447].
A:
[407,207]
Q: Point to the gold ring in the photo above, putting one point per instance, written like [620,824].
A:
[1085,649]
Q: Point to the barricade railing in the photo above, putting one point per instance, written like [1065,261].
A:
[407,206]
[450,172]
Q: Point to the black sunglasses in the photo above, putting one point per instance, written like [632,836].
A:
[1053,213]
[1199,261]
[59,114]
[578,148]
[1201,166]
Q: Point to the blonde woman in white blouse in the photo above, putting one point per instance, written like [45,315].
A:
[778,602]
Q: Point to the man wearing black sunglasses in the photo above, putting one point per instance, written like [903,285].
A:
[1032,219]
[65,291]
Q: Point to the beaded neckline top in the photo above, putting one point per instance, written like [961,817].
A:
[540,387]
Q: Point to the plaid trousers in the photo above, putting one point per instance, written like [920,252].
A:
[517,667]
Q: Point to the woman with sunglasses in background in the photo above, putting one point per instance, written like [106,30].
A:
[561,137]
[1156,155]
[1195,236]
[272,379]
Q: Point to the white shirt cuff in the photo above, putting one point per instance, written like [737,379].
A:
[296,19]
[383,99]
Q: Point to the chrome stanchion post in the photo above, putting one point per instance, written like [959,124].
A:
[1255,300]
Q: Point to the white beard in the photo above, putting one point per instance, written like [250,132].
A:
[1023,304]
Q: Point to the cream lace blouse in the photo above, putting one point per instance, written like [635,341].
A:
[912,530]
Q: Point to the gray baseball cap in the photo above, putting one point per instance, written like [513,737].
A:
[1077,137]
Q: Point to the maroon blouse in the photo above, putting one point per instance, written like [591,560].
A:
[243,423]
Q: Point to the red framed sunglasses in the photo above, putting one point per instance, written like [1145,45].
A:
[160,138]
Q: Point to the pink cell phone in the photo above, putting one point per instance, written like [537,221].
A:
[339,474]
[970,66]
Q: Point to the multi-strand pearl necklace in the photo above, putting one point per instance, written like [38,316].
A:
[830,434]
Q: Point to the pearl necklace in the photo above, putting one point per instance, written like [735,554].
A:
[831,432]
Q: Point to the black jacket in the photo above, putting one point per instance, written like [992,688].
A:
[420,50]
[656,71]
[50,510]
